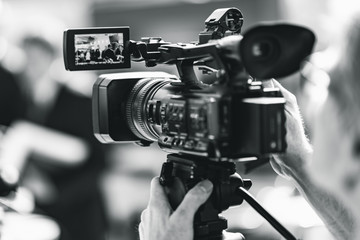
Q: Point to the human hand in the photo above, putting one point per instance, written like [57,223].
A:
[299,151]
[160,222]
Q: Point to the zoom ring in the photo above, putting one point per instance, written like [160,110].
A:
[137,108]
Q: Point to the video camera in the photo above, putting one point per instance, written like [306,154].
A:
[217,110]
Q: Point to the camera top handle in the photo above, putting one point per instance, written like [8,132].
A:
[263,52]
[222,22]
[154,51]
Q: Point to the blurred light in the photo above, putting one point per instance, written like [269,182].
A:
[9,174]
[136,190]
[281,182]
[316,79]
[327,59]
[250,219]
[29,227]
[343,11]
[264,193]
[3,47]
[289,209]
[13,58]
[80,83]
[317,233]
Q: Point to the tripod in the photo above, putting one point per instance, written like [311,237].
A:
[182,172]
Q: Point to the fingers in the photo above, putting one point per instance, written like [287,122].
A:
[282,89]
[158,199]
[268,83]
[193,200]
[155,217]
[290,98]
[141,231]
[291,107]
[157,193]
[144,215]
[274,162]
[158,214]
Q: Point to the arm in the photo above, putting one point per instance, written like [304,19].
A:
[22,140]
[335,214]
[25,138]
[295,165]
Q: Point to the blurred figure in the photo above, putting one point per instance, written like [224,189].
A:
[40,109]
[10,97]
[329,176]
[97,55]
[48,134]
[120,53]
[76,202]
[88,56]
[336,162]
[112,52]
[109,54]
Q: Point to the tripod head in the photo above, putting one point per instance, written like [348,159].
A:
[182,172]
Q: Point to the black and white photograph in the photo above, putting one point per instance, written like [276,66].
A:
[179,120]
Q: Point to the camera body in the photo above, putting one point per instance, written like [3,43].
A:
[217,108]
[217,122]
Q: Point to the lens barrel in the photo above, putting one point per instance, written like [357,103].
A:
[138,108]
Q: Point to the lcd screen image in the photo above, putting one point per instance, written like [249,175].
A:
[102,48]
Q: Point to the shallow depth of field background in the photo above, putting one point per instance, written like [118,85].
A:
[125,182]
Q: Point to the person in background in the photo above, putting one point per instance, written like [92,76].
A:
[40,103]
[97,55]
[88,56]
[109,54]
[47,121]
[120,53]
[10,97]
[328,176]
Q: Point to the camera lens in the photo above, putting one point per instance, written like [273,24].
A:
[139,109]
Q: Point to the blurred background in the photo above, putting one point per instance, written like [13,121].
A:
[75,188]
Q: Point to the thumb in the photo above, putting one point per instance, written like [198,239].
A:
[269,83]
[286,93]
[193,200]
